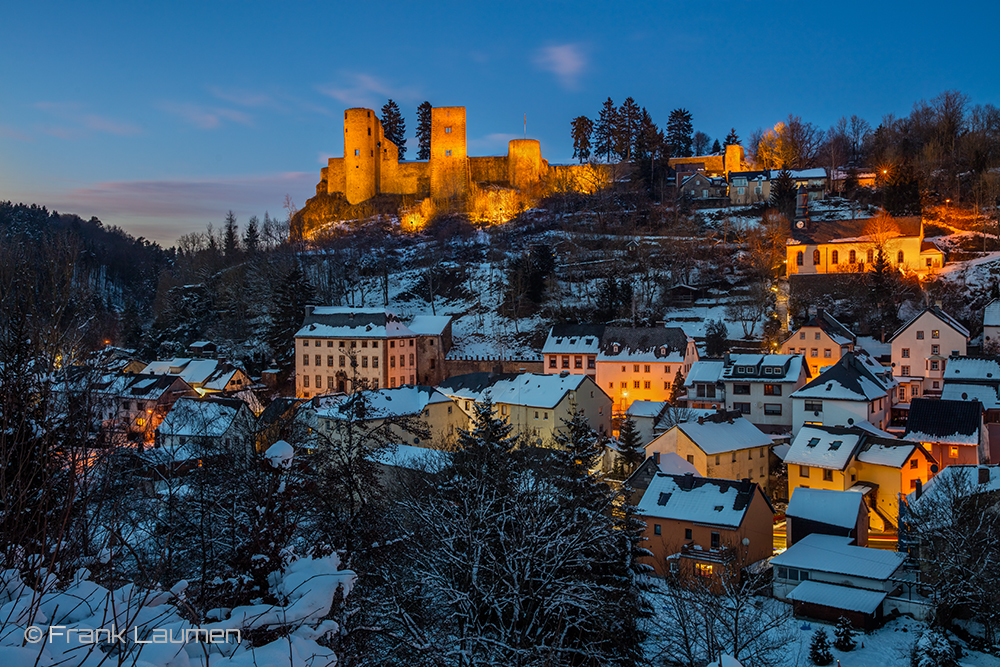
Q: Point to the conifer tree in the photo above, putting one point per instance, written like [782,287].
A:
[424,131]
[647,149]
[394,126]
[819,648]
[288,310]
[680,133]
[583,129]
[230,237]
[677,388]
[732,139]
[716,147]
[630,446]
[605,130]
[627,129]
[716,335]
[783,192]
[844,635]
[251,237]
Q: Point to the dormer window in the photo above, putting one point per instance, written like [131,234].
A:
[615,347]
[835,445]
[812,442]
[663,350]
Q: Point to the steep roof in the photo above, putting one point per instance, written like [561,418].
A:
[578,338]
[829,553]
[888,452]
[829,447]
[346,322]
[950,422]
[705,370]
[833,508]
[703,500]
[429,325]
[192,417]
[846,380]
[959,478]
[833,231]
[938,313]
[825,322]
[658,343]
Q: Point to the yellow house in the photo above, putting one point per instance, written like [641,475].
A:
[724,445]
[855,459]
[850,246]
[822,340]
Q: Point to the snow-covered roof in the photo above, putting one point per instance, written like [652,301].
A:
[942,316]
[985,394]
[203,373]
[763,367]
[834,554]
[652,344]
[429,325]
[834,508]
[962,478]
[714,437]
[829,447]
[574,339]
[536,390]
[886,452]
[985,370]
[991,314]
[825,322]
[645,409]
[675,464]
[705,371]
[948,422]
[817,172]
[846,380]
[414,458]
[393,402]
[837,597]
[196,418]
[719,502]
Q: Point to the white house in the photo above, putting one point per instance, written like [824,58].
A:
[206,428]
[920,351]
[991,327]
[760,386]
[853,390]
[207,376]
[704,385]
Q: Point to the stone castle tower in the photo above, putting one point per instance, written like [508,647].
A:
[371,165]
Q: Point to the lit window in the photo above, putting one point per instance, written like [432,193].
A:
[953,452]
[702,570]
[935,333]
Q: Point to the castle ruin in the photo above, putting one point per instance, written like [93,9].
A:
[371,165]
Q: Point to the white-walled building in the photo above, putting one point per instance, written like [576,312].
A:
[760,386]
[855,389]
[920,351]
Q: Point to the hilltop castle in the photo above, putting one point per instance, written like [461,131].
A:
[371,165]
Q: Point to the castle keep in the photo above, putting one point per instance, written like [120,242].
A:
[371,165]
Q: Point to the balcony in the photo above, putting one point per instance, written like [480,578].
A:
[720,555]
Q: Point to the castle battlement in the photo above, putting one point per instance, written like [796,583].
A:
[370,165]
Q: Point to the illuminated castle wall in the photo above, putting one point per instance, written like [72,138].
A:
[371,165]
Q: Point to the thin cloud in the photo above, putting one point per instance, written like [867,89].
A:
[566,61]
[206,117]
[365,90]
[76,121]
[178,199]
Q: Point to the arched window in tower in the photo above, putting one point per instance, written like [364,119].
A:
[815,257]
[899,257]
[798,258]
[854,257]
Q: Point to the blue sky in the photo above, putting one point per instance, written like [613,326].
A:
[159,117]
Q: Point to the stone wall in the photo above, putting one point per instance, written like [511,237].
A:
[462,365]
[491,169]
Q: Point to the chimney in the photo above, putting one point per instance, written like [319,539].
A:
[919,489]
[811,311]
[726,360]
[984,475]
[309,310]
[701,421]
[937,304]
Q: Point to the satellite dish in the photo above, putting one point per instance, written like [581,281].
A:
[934,468]
[816,413]
[850,421]
[965,396]
[800,224]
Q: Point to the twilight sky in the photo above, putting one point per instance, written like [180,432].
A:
[159,117]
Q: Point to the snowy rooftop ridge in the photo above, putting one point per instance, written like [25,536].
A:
[834,508]
[829,553]
[716,437]
[719,502]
